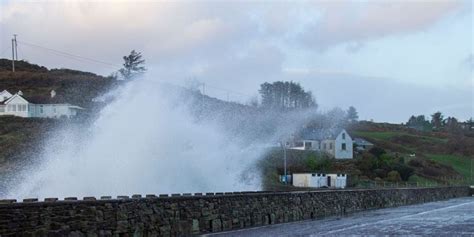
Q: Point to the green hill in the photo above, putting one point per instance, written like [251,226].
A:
[76,87]
[427,152]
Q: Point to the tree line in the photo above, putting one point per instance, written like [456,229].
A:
[286,95]
[438,122]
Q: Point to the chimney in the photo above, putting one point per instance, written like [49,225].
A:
[20,93]
[53,93]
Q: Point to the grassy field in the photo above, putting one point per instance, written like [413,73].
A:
[421,180]
[390,135]
[459,163]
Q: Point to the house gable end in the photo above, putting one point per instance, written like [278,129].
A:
[17,99]
[5,95]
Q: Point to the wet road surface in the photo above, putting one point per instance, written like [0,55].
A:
[453,217]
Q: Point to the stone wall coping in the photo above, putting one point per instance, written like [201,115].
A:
[185,196]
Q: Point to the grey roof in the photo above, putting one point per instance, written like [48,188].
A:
[362,142]
[320,134]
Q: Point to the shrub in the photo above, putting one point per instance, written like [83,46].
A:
[377,151]
[403,170]
[393,176]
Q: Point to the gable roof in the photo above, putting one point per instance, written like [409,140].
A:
[2,95]
[45,99]
[13,97]
[320,134]
[37,99]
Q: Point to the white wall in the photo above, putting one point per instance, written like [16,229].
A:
[313,180]
[339,152]
[301,180]
[52,111]
[338,180]
[314,145]
[328,147]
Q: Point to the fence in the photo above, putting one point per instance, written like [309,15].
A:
[386,184]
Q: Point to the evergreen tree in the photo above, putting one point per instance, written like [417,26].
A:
[352,115]
[133,65]
[285,95]
[437,120]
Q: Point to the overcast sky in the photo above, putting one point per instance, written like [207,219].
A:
[389,59]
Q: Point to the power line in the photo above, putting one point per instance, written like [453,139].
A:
[228,91]
[86,59]
[70,55]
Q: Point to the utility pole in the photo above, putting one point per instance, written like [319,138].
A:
[16,47]
[284,161]
[14,52]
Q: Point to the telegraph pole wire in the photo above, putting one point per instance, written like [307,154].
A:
[70,55]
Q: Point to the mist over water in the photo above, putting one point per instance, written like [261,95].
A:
[149,139]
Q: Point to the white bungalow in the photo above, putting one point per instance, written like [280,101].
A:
[37,107]
[335,142]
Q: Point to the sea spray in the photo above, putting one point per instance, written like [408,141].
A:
[157,138]
[145,141]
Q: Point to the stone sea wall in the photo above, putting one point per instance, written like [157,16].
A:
[189,214]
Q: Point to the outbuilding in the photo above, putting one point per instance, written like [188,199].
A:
[319,180]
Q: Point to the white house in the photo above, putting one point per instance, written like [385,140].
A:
[39,107]
[335,142]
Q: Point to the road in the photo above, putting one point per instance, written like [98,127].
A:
[453,217]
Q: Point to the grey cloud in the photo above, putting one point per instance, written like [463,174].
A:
[349,22]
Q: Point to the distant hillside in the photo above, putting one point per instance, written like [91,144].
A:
[426,152]
[21,66]
[76,87]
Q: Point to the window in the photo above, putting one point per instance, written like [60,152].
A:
[2,108]
[343,146]
[307,144]
[41,109]
[343,136]
[324,146]
[21,107]
[330,146]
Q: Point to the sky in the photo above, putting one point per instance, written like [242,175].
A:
[389,59]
